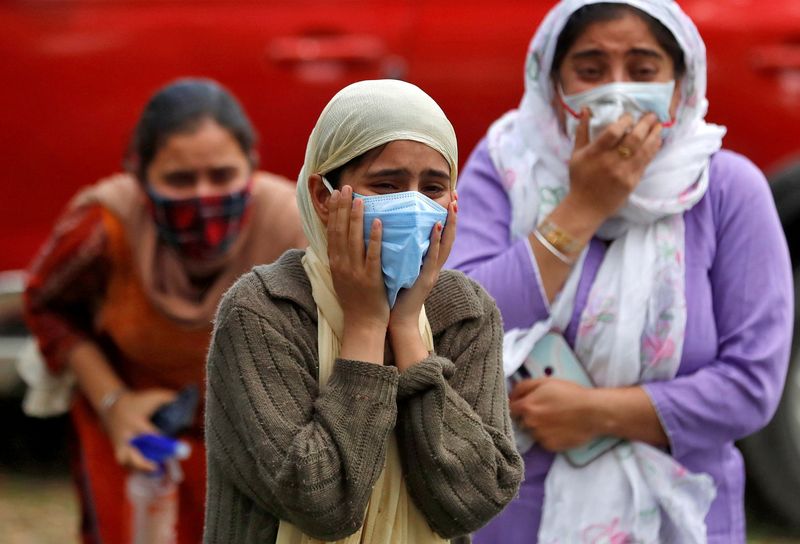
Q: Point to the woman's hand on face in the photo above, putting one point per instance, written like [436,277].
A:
[604,172]
[130,417]
[356,271]
[555,412]
[406,310]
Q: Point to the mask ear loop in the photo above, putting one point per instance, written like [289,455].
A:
[327,184]
[564,104]
[673,120]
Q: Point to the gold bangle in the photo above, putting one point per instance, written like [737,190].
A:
[564,242]
[553,249]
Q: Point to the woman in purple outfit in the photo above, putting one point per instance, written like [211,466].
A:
[604,209]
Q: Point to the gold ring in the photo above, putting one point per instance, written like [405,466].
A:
[624,151]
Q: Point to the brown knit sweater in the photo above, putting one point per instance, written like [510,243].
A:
[279,448]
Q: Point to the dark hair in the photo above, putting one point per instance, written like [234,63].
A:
[334,177]
[180,107]
[607,11]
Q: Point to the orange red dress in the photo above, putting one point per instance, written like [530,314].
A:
[147,349]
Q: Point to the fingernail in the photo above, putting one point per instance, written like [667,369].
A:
[455,207]
[439,227]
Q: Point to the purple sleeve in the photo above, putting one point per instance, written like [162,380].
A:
[737,392]
[483,249]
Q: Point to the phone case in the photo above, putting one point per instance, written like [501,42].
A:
[173,417]
[552,357]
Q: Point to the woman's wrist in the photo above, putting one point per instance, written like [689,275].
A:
[558,242]
[580,220]
[600,413]
[625,412]
[407,345]
[96,379]
[109,400]
[363,341]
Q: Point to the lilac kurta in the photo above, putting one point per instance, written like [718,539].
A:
[738,332]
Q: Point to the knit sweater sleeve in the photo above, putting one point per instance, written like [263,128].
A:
[303,455]
[455,436]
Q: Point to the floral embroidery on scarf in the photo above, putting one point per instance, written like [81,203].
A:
[549,197]
[533,65]
[598,311]
[610,533]
[509,178]
[658,337]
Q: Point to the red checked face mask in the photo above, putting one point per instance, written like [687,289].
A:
[200,228]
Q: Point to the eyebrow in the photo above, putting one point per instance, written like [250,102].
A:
[181,172]
[404,172]
[644,52]
[432,172]
[599,53]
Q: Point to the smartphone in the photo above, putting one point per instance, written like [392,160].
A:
[176,416]
[552,357]
[522,438]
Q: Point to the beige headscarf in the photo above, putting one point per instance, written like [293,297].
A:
[361,117]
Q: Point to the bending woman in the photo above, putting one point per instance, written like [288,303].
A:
[604,209]
[340,407]
[123,293]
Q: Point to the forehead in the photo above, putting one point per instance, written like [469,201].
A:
[405,154]
[207,142]
[616,36]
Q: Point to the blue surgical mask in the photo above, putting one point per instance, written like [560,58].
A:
[609,102]
[407,221]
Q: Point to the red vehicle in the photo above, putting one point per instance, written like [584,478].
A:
[77,73]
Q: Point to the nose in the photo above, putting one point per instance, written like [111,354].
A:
[620,75]
[205,187]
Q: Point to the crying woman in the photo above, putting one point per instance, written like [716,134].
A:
[356,391]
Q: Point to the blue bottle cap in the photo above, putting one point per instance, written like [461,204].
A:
[161,448]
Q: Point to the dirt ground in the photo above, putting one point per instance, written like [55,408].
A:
[38,504]
[26,500]
[37,510]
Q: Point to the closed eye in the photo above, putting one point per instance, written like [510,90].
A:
[589,65]
[181,178]
[643,74]
[223,174]
[383,187]
[589,73]
[434,189]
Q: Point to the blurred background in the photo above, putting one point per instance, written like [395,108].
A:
[78,72]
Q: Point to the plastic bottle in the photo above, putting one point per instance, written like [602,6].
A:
[154,496]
